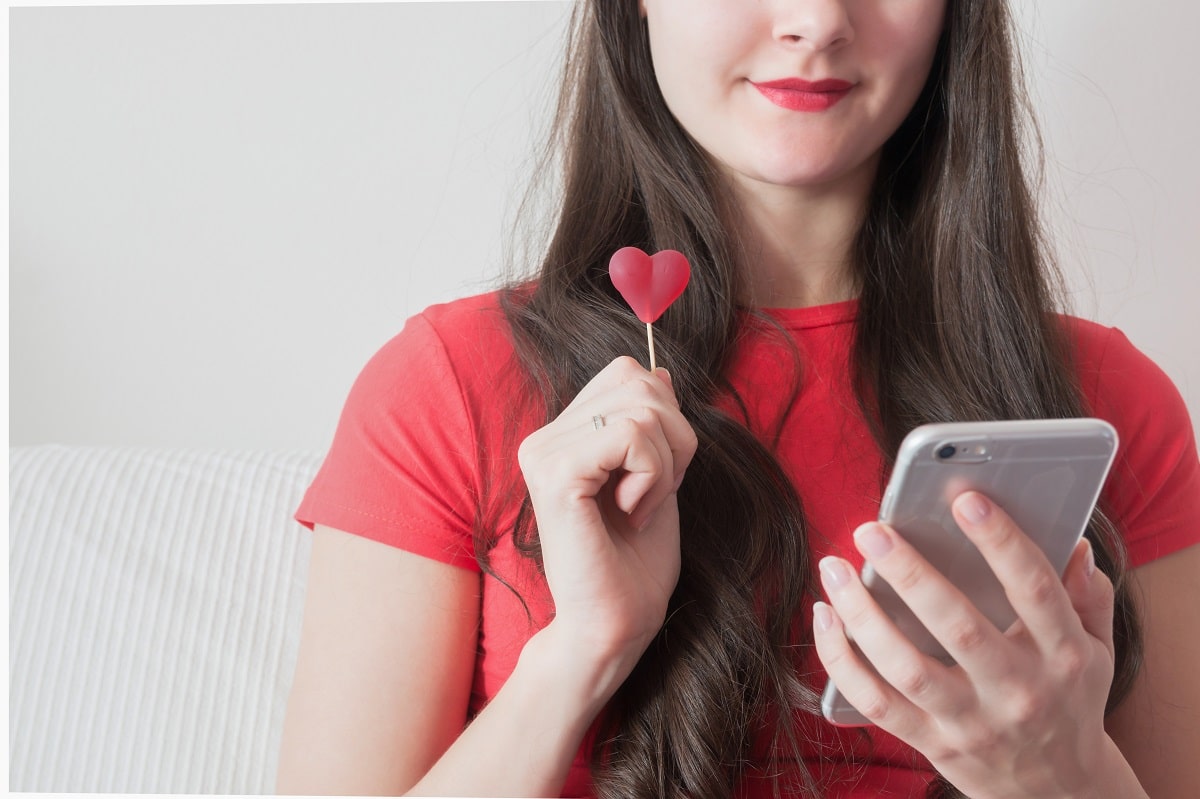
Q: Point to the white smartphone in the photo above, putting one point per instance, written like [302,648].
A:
[1046,474]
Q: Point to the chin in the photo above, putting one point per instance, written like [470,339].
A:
[801,175]
[800,169]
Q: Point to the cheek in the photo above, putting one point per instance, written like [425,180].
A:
[908,31]
[904,39]
[694,45]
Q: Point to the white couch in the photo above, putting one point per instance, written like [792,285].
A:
[155,601]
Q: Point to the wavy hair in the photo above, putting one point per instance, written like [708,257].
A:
[957,321]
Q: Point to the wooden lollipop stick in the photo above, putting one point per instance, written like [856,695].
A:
[649,283]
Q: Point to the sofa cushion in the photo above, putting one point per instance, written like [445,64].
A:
[155,606]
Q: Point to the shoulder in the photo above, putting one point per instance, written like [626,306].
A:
[470,327]
[1154,487]
[1118,378]
[407,462]
[458,345]
[473,321]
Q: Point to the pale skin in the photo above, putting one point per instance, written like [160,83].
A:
[380,698]
[372,714]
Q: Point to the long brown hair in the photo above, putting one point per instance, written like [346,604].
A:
[956,322]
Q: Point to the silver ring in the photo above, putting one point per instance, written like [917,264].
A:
[597,421]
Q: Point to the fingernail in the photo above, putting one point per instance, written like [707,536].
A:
[1089,560]
[975,508]
[835,572]
[679,481]
[872,541]
[664,376]
[822,617]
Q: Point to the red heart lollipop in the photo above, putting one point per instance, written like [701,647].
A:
[649,283]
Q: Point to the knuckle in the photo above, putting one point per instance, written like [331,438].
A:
[914,680]
[966,635]
[690,441]
[1071,661]
[626,365]
[642,391]
[939,751]
[526,453]
[981,738]
[838,657]
[908,573]
[1041,586]
[550,470]
[857,616]
[642,414]
[998,532]
[873,704]
[1025,707]
[629,425]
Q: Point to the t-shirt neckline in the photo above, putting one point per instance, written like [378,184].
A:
[834,313]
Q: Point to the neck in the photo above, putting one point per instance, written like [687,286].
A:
[798,242]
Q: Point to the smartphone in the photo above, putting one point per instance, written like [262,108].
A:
[1045,473]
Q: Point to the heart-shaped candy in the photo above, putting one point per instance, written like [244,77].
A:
[649,283]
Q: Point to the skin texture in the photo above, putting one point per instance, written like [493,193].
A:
[1022,714]
[801,179]
[370,713]
[605,503]
[1158,727]
[708,54]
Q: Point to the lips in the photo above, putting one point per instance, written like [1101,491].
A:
[795,94]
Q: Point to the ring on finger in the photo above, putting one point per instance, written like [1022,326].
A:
[597,421]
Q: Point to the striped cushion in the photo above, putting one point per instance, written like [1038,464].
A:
[155,604]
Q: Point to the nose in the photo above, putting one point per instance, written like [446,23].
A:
[817,24]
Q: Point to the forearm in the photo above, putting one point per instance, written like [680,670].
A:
[524,741]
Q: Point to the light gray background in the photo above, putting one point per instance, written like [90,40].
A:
[218,213]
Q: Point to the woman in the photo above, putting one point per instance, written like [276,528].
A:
[626,607]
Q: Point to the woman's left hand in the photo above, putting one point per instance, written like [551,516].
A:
[1022,712]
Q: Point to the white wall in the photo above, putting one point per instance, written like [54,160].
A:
[1114,83]
[218,213]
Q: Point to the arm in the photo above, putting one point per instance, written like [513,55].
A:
[388,645]
[383,680]
[1157,727]
[383,676]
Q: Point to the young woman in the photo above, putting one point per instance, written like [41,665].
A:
[540,569]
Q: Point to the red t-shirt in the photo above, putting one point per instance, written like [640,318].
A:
[428,427]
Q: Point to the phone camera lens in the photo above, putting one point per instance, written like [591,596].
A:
[946,451]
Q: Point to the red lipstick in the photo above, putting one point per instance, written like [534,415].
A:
[795,94]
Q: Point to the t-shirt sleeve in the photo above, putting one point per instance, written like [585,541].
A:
[1154,487]
[402,468]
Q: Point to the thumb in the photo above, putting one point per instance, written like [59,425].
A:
[668,381]
[1091,594]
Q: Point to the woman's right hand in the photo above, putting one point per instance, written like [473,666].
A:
[607,517]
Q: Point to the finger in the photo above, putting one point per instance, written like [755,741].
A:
[630,452]
[920,678]
[626,446]
[1091,594]
[945,611]
[567,463]
[1033,587]
[639,493]
[636,399]
[665,376]
[619,372]
[858,682]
